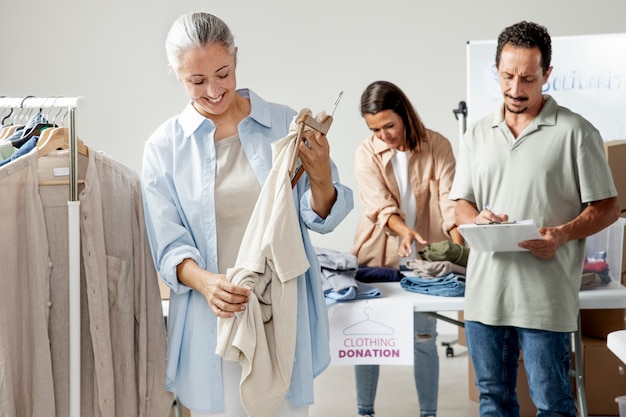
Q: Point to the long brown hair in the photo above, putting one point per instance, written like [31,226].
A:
[384,95]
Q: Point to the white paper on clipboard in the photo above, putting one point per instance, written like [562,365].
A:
[499,237]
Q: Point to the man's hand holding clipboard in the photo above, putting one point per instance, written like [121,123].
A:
[502,236]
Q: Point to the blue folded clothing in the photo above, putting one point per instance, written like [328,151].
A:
[361,291]
[451,285]
[377,274]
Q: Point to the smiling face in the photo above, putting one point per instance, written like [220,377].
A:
[208,75]
[388,126]
[521,79]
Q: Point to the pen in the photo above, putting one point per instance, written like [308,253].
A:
[486,207]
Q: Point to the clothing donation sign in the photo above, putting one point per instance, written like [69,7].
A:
[372,331]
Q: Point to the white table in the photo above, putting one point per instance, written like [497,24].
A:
[616,342]
[611,296]
[606,297]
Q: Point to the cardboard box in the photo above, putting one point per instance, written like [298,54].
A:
[604,378]
[599,323]
[461,331]
[526,406]
[616,155]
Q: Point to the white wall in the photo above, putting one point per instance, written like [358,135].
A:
[301,54]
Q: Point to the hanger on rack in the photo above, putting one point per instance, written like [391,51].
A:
[35,131]
[2,133]
[8,131]
[37,128]
[58,138]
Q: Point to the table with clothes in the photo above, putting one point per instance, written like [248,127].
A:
[439,271]
[344,281]
[436,283]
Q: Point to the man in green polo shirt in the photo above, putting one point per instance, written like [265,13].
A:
[530,159]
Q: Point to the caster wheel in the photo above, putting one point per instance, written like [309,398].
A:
[449,352]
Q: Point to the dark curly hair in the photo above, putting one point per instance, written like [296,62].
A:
[527,35]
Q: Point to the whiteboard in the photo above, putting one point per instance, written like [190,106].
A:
[588,77]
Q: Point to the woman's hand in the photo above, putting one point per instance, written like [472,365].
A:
[406,243]
[224,297]
[314,152]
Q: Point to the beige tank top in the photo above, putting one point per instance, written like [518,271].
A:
[236,192]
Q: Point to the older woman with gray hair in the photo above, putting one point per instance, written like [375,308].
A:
[202,173]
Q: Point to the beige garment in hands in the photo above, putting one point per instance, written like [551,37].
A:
[263,337]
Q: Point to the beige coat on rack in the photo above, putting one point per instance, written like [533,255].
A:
[123,338]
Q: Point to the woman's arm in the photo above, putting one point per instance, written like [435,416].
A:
[408,234]
[456,236]
[378,201]
[314,153]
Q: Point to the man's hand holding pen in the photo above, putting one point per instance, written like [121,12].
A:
[486,216]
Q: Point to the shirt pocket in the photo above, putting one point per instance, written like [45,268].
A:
[120,286]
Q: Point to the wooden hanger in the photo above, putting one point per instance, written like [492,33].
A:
[7,131]
[57,138]
[321,126]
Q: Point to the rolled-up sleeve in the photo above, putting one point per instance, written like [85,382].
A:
[170,240]
[378,201]
[344,203]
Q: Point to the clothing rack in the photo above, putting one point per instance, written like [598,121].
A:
[71,104]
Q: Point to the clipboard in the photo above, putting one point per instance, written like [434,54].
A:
[499,237]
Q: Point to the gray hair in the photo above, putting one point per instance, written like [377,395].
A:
[194,30]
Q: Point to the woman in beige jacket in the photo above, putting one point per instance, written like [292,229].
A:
[405,172]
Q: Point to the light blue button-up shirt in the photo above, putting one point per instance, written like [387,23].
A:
[178,180]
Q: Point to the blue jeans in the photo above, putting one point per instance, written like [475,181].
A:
[425,370]
[495,352]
